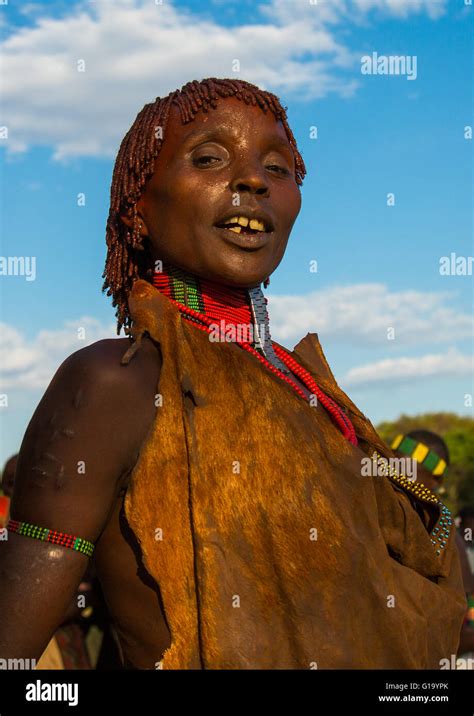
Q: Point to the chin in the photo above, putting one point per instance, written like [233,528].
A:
[240,277]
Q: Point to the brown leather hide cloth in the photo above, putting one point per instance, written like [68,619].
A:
[269,547]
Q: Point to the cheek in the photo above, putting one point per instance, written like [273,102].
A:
[290,203]
[296,202]
[166,197]
[181,199]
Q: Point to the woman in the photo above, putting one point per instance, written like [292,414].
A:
[215,476]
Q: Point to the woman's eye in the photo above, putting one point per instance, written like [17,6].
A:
[206,160]
[277,168]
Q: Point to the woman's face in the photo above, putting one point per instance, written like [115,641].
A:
[234,161]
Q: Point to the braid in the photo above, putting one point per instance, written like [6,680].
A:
[127,259]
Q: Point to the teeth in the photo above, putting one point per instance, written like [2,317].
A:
[257,225]
[242,221]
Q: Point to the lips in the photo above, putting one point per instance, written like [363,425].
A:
[248,241]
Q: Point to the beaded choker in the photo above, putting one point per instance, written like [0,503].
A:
[240,315]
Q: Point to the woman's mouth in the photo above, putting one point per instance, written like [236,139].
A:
[247,233]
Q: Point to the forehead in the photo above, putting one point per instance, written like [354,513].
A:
[232,118]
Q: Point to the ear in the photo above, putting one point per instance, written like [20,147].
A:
[128,218]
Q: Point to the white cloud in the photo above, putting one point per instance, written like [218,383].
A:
[31,8]
[362,314]
[31,364]
[135,50]
[403,8]
[400,370]
[336,314]
[332,12]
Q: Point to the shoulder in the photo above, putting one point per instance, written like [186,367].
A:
[94,403]
[100,365]
[94,415]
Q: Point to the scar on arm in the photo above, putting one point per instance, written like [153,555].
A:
[52,471]
[67,432]
[78,398]
[48,467]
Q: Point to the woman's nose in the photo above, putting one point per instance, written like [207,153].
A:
[250,178]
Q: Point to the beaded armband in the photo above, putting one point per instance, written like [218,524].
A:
[439,535]
[45,535]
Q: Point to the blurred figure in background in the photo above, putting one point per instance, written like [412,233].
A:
[465,524]
[8,479]
[431,454]
[8,475]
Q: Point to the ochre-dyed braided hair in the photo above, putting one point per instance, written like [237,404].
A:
[126,258]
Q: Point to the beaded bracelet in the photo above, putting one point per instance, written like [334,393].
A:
[45,535]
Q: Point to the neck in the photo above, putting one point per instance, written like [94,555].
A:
[205,296]
[238,314]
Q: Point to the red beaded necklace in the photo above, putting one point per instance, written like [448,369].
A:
[210,306]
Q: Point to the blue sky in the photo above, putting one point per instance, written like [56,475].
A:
[378,265]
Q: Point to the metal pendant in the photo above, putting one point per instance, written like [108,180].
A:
[261,326]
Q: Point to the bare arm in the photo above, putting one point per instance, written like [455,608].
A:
[82,441]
